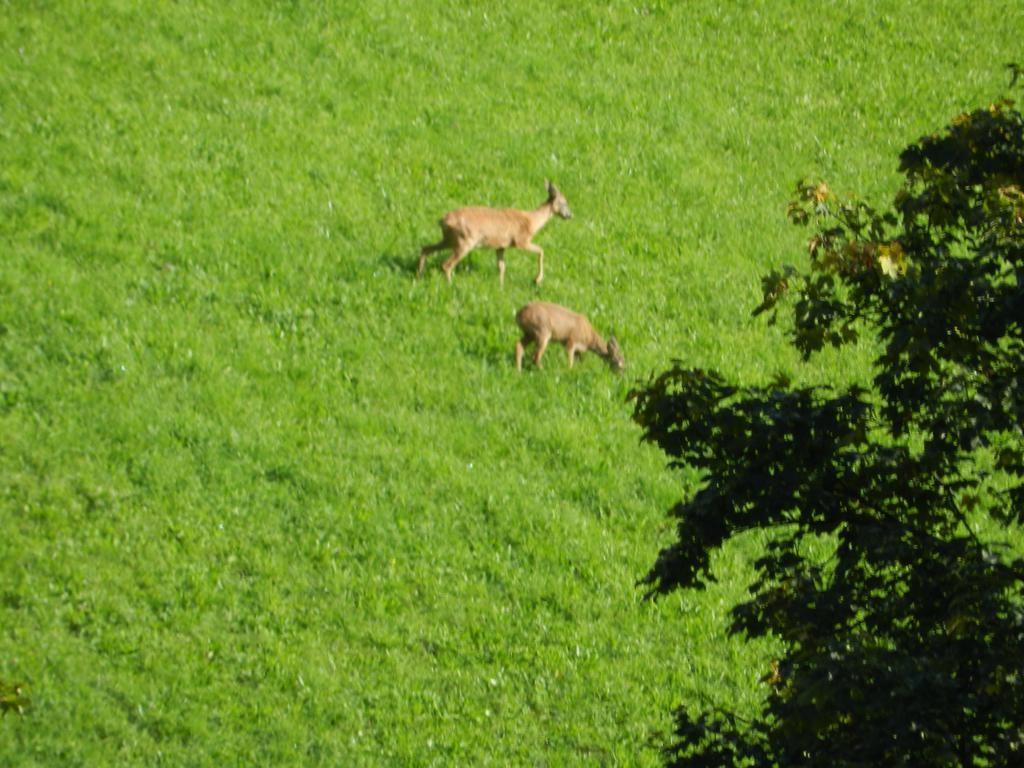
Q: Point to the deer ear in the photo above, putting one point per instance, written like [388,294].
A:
[550,186]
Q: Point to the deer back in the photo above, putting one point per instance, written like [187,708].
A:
[494,227]
[563,324]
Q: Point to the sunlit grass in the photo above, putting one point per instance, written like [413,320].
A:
[268,499]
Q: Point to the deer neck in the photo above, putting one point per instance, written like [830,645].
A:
[598,345]
[539,217]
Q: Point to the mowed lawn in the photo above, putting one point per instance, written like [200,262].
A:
[268,499]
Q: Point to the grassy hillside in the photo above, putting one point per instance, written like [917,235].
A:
[268,499]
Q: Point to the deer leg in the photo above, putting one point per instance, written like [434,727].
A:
[570,351]
[426,250]
[534,248]
[458,254]
[501,267]
[520,348]
[542,344]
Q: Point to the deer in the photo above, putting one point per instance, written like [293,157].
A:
[463,229]
[542,321]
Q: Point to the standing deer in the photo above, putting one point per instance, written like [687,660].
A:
[465,228]
[542,321]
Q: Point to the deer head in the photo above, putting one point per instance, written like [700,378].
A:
[615,358]
[558,202]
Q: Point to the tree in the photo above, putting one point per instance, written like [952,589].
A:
[906,647]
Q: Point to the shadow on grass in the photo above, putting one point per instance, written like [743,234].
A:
[406,264]
[401,263]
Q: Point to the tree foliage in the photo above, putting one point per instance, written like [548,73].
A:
[905,647]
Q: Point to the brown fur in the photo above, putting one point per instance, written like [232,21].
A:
[542,321]
[464,229]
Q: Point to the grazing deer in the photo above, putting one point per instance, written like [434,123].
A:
[465,228]
[542,321]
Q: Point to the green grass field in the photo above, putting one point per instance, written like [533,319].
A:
[267,499]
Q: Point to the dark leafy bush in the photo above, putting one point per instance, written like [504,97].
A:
[906,647]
